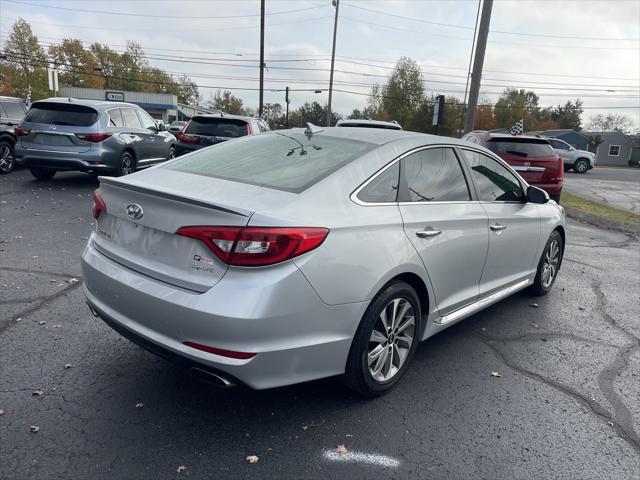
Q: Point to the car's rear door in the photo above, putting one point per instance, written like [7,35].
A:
[446,226]
[514,224]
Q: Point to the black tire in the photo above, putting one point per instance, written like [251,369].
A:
[357,375]
[172,153]
[581,165]
[127,164]
[42,173]
[555,198]
[541,284]
[7,157]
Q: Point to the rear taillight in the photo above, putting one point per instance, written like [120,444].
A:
[220,351]
[181,133]
[249,129]
[98,204]
[21,132]
[257,246]
[188,138]
[93,137]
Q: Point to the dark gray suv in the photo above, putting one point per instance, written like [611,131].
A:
[106,138]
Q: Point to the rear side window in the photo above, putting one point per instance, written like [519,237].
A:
[12,110]
[130,118]
[61,114]
[383,188]
[217,127]
[433,175]
[290,162]
[494,182]
[520,148]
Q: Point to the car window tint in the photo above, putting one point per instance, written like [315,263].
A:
[147,122]
[433,175]
[13,110]
[291,162]
[494,182]
[130,118]
[218,127]
[521,148]
[115,118]
[58,113]
[383,188]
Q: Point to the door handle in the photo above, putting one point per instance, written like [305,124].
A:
[427,233]
[497,227]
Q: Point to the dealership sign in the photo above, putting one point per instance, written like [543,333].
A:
[115,96]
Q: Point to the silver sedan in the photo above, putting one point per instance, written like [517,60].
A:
[300,254]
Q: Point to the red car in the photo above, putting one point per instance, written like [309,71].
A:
[532,157]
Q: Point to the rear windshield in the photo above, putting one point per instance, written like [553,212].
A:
[371,125]
[217,127]
[528,149]
[61,114]
[291,162]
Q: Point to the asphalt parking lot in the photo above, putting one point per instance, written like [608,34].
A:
[564,401]
[616,186]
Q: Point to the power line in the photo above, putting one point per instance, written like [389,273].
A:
[465,27]
[173,17]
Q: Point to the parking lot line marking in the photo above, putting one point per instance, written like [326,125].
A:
[361,457]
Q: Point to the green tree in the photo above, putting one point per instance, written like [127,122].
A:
[514,105]
[610,123]
[404,91]
[26,63]
[564,116]
[375,109]
[225,101]
[356,114]
[77,67]
[188,92]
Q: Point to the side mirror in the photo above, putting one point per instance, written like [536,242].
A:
[161,127]
[537,195]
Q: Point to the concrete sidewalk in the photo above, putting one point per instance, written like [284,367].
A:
[617,187]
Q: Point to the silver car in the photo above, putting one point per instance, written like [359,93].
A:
[300,254]
[580,161]
[108,138]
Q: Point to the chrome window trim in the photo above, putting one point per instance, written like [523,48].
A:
[354,195]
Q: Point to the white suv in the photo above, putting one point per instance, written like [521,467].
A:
[580,161]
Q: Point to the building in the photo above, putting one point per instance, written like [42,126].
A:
[161,106]
[615,148]
[574,138]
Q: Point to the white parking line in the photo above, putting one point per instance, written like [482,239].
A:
[361,457]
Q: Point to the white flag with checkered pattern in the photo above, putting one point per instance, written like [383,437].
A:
[518,128]
[265,114]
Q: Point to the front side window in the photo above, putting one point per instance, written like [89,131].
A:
[614,150]
[130,118]
[147,122]
[291,162]
[383,188]
[494,182]
[433,175]
[559,145]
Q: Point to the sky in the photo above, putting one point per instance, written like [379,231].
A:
[562,50]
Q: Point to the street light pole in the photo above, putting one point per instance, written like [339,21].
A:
[336,3]
[260,107]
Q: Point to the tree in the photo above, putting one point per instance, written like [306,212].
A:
[404,91]
[26,63]
[314,113]
[514,105]
[188,91]
[374,108]
[485,119]
[225,101]
[77,67]
[356,114]
[610,123]
[563,116]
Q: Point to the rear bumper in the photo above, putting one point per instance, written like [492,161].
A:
[90,161]
[184,148]
[274,313]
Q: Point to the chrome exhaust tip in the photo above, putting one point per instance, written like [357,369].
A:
[211,378]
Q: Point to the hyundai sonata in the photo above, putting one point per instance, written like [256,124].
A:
[301,254]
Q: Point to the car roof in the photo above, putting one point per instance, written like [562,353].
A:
[379,136]
[97,104]
[363,121]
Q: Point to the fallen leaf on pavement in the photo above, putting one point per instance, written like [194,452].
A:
[312,424]
[581,308]
[181,468]
[43,322]
[252,459]
[1,412]
[73,280]
[34,428]
[341,449]
[495,374]
[535,325]
[543,339]
[37,393]
[534,305]
[68,365]
[139,405]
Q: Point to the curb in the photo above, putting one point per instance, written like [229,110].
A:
[602,222]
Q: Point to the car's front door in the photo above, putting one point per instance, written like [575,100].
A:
[156,140]
[138,136]
[445,225]
[514,224]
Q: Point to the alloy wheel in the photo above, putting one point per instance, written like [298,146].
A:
[126,165]
[391,339]
[6,158]
[581,166]
[550,265]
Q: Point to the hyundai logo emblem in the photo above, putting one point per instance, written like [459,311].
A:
[135,211]
[52,127]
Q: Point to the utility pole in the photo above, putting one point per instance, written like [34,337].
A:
[478,61]
[261,58]
[286,100]
[336,3]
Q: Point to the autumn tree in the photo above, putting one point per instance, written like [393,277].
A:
[225,101]
[514,105]
[77,66]
[26,62]
[404,91]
